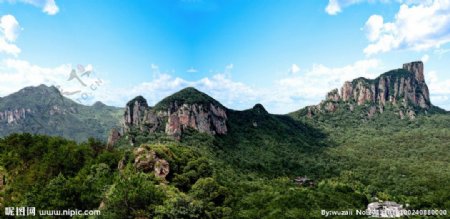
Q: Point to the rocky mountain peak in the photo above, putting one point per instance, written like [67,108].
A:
[188,108]
[188,96]
[98,104]
[259,108]
[404,89]
[417,69]
[134,112]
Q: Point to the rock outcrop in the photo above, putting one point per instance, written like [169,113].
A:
[114,136]
[208,119]
[177,113]
[259,108]
[134,112]
[404,88]
[146,160]
[12,116]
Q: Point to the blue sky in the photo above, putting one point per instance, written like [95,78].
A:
[285,54]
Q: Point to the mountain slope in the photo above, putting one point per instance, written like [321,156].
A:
[43,110]
[400,91]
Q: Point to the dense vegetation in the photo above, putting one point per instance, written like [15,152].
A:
[187,95]
[248,173]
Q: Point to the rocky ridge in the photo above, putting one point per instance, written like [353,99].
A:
[404,89]
[186,109]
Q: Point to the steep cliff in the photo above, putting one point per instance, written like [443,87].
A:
[402,90]
[188,108]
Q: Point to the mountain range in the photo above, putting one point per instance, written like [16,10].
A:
[44,110]
[401,92]
[189,156]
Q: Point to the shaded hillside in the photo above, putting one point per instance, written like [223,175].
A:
[43,110]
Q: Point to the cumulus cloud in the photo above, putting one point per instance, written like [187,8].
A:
[287,94]
[309,88]
[220,86]
[425,58]
[50,7]
[333,7]
[9,31]
[417,27]
[16,74]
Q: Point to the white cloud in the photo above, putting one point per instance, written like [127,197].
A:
[373,27]
[48,6]
[9,27]
[17,74]
[9,31]
[311,87]
[8,48]
[425,58]
[230,93]
[439,90]
[285,95]
[437,86]
[333,7]
[294,69]
[416,27]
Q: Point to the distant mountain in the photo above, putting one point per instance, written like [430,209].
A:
[401,91]
[44,110]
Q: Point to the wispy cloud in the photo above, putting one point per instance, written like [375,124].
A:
[48,6]
[191,70]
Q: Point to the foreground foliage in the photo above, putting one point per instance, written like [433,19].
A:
[246,174]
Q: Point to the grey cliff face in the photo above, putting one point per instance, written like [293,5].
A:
[208,119]
[12,116]
[205,118]
[134,112]
[404,87]
[417,69]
